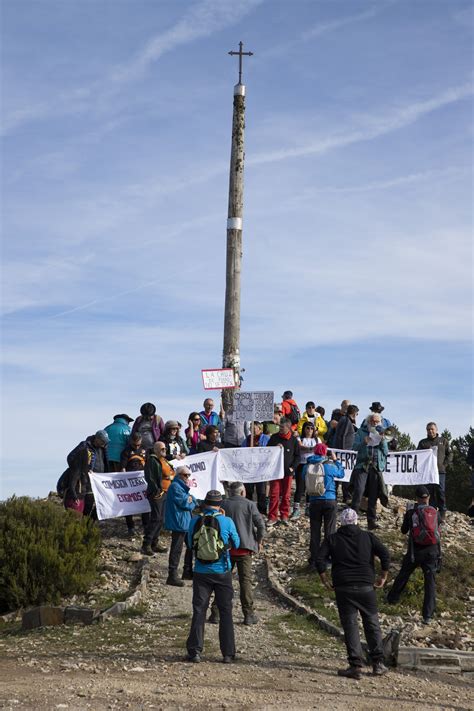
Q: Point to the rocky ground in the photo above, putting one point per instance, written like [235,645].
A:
[453,627]
[136,661]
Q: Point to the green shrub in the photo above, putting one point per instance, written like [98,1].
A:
[46,553]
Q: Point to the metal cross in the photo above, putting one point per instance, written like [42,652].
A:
[241,54]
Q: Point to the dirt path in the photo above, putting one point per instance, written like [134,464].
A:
[136,662]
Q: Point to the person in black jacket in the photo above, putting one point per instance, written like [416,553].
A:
[89,456]
[157,498]
[280,489]
[344,439]
[426,556]
[444,456]
[352,553]
[211,443]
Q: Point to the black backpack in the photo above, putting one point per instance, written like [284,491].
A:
[294,415]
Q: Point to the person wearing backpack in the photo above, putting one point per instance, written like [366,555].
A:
[211,535]
[290,409]
[421,522]
[319,474]
[89,456]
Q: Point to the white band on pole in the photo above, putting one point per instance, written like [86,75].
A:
[234,223]
[239,90]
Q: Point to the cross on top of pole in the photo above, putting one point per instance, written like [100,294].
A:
[240,55]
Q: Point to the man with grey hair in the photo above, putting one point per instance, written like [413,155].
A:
[372,450]
[251,529]
[352,552]
[179,504]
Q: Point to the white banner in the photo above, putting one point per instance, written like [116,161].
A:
[250,464]
[119,494]
[253,405]
[204,476]
[218,378]
[403,468]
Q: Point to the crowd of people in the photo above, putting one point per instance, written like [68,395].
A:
[220,533]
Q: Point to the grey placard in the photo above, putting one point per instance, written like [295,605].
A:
[253,405]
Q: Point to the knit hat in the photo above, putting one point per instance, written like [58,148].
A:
[348,517]
[102,436]
[321,449]
[421,492]
[213,498]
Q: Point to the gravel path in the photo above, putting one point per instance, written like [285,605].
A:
[136,662]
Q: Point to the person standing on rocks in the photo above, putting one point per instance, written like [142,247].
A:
[119,435]
[179,505]
[149,425]
[251,529]
[444,455]
[133,459]
[421,522]
[372,450]
[156,468]
[212,534]
[280,489]
[89,456]
[352,552]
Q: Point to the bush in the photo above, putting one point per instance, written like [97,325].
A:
[46,553]
[458,473]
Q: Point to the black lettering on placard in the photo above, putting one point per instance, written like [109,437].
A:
[197,467]
[415,463]
[136,481]
[127,498]
[107,484]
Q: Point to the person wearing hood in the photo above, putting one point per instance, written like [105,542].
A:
[323,508]
[89,456]
[352,552]
[119,434]
[149,425]
[176,447]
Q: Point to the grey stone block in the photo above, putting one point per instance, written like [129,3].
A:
[85,615]
[42,616]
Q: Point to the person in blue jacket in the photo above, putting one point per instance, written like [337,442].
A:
[213,577]
[323,509]
[119,435]
[179,504]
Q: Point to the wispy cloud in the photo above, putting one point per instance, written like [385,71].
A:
[322,28]
[375,126]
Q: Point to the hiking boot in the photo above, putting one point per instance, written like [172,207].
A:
[379,669]
[194,657]
[146,549]
[295,514]
[373,525]
[213,618]
[131,532]
[306,510]
[228,659]
[427,620]
[187,575]
[284,522]
[350,673]
[271,522]
[250,618]
[173,580]
[158,547]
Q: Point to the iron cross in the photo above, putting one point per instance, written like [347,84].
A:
[241,54]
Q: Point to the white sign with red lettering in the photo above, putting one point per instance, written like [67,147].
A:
[218,379]
[119,494]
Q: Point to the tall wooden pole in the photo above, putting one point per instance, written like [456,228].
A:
[231,351]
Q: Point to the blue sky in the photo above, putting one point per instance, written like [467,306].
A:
[357,268]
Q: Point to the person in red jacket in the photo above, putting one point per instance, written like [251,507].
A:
[290,409]
[280,489]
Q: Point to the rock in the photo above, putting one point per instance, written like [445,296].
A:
[42,616]
[86,615]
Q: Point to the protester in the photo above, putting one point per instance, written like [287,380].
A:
[280,489]
[272,427]
[156,467]
[344,439]
[344,405]
[233,432]
[251,529]
[367,476]
[89,456]
[133,459]
[307,442]
[211,443]
[119,434]
[444,456]
[192,432]
[323,504]
[331,431]
[351,552]
[211,534]
[290,409]
[259,440]
[179,505]
[176,447]
[421,522]
[209,417]
[149,425]
[311,415]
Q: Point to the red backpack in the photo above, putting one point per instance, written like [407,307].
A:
[424,526]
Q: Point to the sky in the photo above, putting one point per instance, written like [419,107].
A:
[357,229]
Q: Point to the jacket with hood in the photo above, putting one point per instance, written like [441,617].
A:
[369,456]
[83,459]
[157,426]
[332,470]
[319,424]
[352,552]
[286,407]
[229,535]
[119,433]
[178,507]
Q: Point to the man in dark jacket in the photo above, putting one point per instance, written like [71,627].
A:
[426,556]
[437,491]
[89,456]
[251,529]
[352,553]
[372,450]
[156,498]
[280,489]
[344,439]
[211,443]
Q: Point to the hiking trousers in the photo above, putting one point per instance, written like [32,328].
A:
[366,480]
[260,488]
[351,600]
[204,584]
[324,510]
[155,522]
[244,569]
[176,548]
[438,494]
[280,492]
[428,562]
